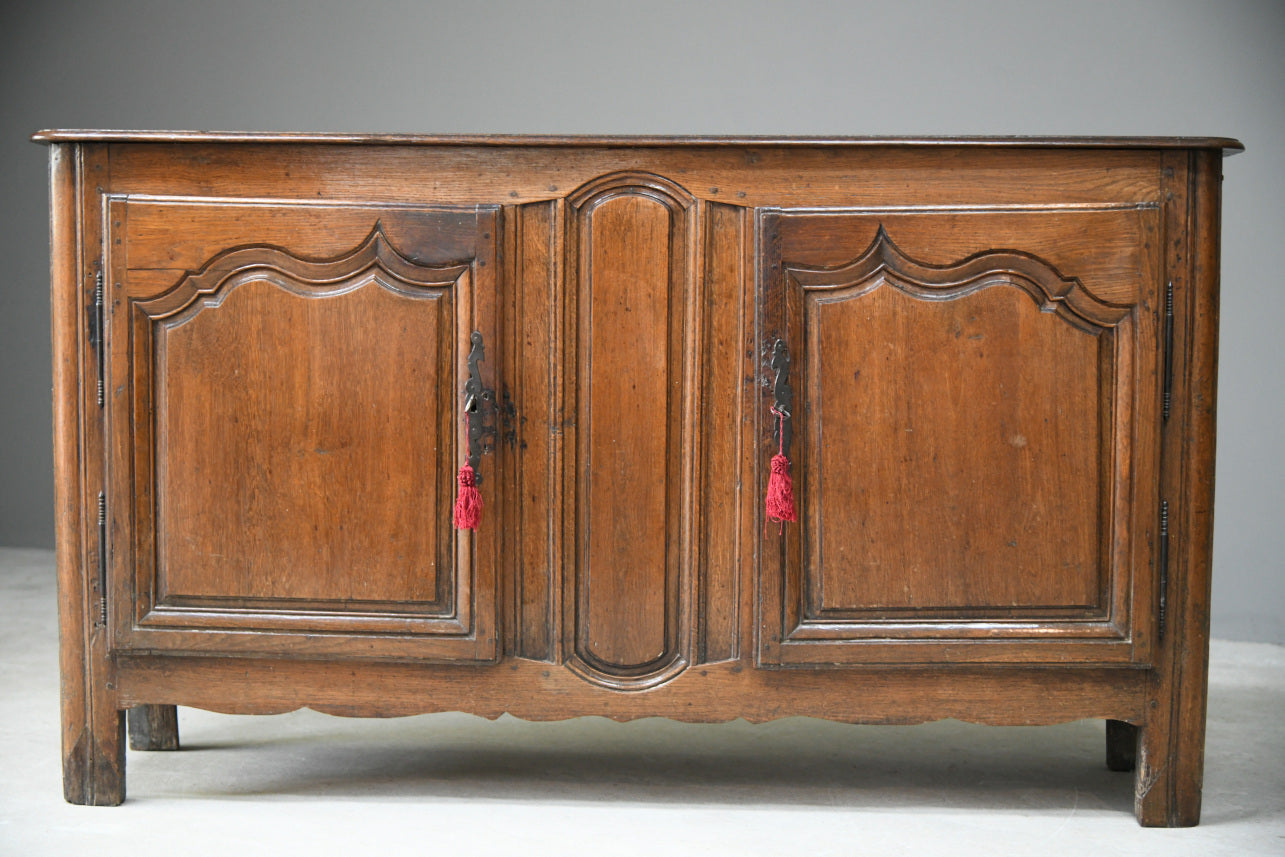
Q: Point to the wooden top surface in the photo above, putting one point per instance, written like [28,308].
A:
[108,136]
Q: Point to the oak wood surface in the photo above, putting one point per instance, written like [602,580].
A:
[710,693]
[1171,745]
[1122,745]
[153,727]
[808,176]
[91,135]
[629,250]
[962,459]
[980,449]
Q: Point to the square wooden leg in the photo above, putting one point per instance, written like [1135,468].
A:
[153,727]
[1122,745]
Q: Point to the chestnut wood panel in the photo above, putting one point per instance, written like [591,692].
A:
[533,441]
[631,241]
[1000,472]
[626,433]
[175,233]
[728,263]
[284,485]
[93,719]
[571,141]
[989,416]
[712,693]
[964,434]
[738,175]
[1171,744]
[1110,251]
[263,435]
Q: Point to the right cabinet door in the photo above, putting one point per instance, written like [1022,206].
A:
[974,435]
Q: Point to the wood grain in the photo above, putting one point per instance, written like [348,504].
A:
[67,135]
[290,487]
[712,693]
[1171,747]
[728,239]
[961,430]
[535,442]
[980,455]
[93,726]
[630,244]
[749,176]
[153,727]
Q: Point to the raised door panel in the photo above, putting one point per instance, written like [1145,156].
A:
[630,256]
[973,436]
[287,416]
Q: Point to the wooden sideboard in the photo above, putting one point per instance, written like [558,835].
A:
[990,363]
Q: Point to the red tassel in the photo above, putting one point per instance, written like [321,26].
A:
[780,492]
[780,488]
[468,503]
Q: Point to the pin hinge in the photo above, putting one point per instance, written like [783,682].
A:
[1168,380]
[1164,569]
[102,559]
[94,325]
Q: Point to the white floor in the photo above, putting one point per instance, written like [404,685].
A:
[460,785]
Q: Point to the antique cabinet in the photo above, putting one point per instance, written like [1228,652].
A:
[989,362]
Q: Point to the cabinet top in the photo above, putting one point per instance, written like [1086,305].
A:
[106,136]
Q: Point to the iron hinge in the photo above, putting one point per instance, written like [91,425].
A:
[1168,379]
[94,326]
[102,559]
[1164,570]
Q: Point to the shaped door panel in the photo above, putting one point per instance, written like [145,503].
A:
[974,482]
[287,415]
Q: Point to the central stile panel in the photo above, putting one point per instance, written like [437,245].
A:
[629,246]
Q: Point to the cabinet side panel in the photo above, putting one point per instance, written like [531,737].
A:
[1197,520]
[64,252]
[1170,768]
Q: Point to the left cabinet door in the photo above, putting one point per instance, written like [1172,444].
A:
[284,418]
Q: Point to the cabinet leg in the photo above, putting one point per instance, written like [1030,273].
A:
[1122,745]
[1170,771]
[93,726]
[93,763]
[1166,786]
[153,727]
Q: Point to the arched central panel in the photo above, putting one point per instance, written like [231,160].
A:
[630,245]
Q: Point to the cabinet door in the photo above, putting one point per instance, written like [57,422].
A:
[974,435]
[284,414]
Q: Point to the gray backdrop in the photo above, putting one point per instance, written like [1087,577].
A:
[994,67]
